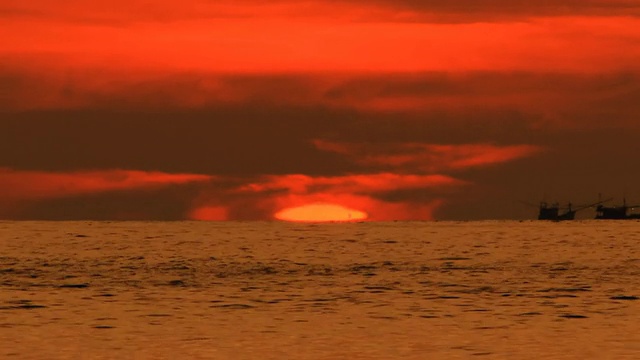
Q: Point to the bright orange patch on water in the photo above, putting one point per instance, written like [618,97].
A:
[320,212]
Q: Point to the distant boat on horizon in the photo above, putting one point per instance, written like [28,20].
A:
[617,212]
[554,212]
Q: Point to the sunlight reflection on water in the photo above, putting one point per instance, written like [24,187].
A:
[319,291]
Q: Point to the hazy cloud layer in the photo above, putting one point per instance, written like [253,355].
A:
[120,12]
[510,10]
[534,99]
[293,45]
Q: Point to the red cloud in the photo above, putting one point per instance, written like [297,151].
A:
[350,184]
[122,12]
[274,43]
[429,157]
[33,185]
[548,100]
[128,12]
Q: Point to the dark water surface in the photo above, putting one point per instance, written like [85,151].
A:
[271,290]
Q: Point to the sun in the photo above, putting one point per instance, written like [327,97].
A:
[320,212]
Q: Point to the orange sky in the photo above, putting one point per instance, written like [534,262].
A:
[232,106]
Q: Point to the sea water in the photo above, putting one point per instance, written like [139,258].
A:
[275,290]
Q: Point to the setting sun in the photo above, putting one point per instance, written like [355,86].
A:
[320,213]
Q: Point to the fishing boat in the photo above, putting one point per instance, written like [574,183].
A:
[555,213]
[619,212]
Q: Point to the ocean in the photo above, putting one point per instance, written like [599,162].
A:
[276,290]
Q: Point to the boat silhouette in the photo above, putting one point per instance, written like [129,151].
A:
[619,212]
[555,212]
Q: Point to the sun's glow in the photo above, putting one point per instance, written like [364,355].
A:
[320,212]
